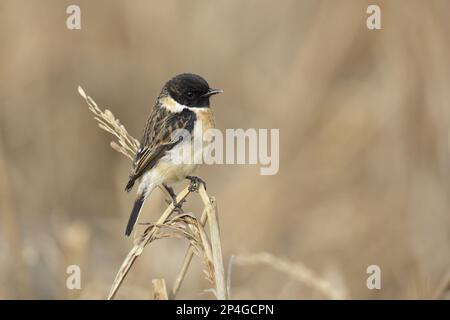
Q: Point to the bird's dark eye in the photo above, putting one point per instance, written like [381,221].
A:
[190,94]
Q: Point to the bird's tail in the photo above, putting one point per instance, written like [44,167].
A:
[135,213]
[130,184]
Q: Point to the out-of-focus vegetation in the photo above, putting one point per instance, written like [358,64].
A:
[363,117]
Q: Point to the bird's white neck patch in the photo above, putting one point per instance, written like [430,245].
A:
[173,106]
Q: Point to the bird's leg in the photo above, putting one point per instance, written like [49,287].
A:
[171,192]
[195,183]
[173,195]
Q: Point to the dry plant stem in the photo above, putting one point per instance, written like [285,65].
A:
[159,289]
[219,272]
[229,268]
[187,260]
[297,270]
[190,253]
[141,243]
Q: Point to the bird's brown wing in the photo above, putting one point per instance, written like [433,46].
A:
[158,139]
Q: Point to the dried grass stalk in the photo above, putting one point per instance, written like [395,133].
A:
[146,237]
[211,207]
[159,289]
[296,270]
[187,260]
[127,145]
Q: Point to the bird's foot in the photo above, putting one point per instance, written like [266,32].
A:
[195,183]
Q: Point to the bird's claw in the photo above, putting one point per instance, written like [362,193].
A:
[195,183]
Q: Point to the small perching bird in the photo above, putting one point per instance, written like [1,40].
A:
[180,116]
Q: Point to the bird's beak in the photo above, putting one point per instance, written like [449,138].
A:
[212,92]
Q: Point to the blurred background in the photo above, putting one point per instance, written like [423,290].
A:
[364,126]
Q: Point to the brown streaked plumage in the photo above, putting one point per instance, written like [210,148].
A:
[157,139]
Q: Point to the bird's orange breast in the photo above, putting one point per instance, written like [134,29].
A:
[206,117]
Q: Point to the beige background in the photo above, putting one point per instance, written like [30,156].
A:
[363,118]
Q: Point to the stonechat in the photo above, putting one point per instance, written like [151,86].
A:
[181,108]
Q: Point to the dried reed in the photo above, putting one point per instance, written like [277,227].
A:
[159,289]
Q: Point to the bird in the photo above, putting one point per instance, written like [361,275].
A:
[180,115]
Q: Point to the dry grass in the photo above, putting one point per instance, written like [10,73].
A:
[297,271]
[159,289]
[169,225]
[126,144]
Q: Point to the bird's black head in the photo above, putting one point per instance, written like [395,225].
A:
[190,90]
